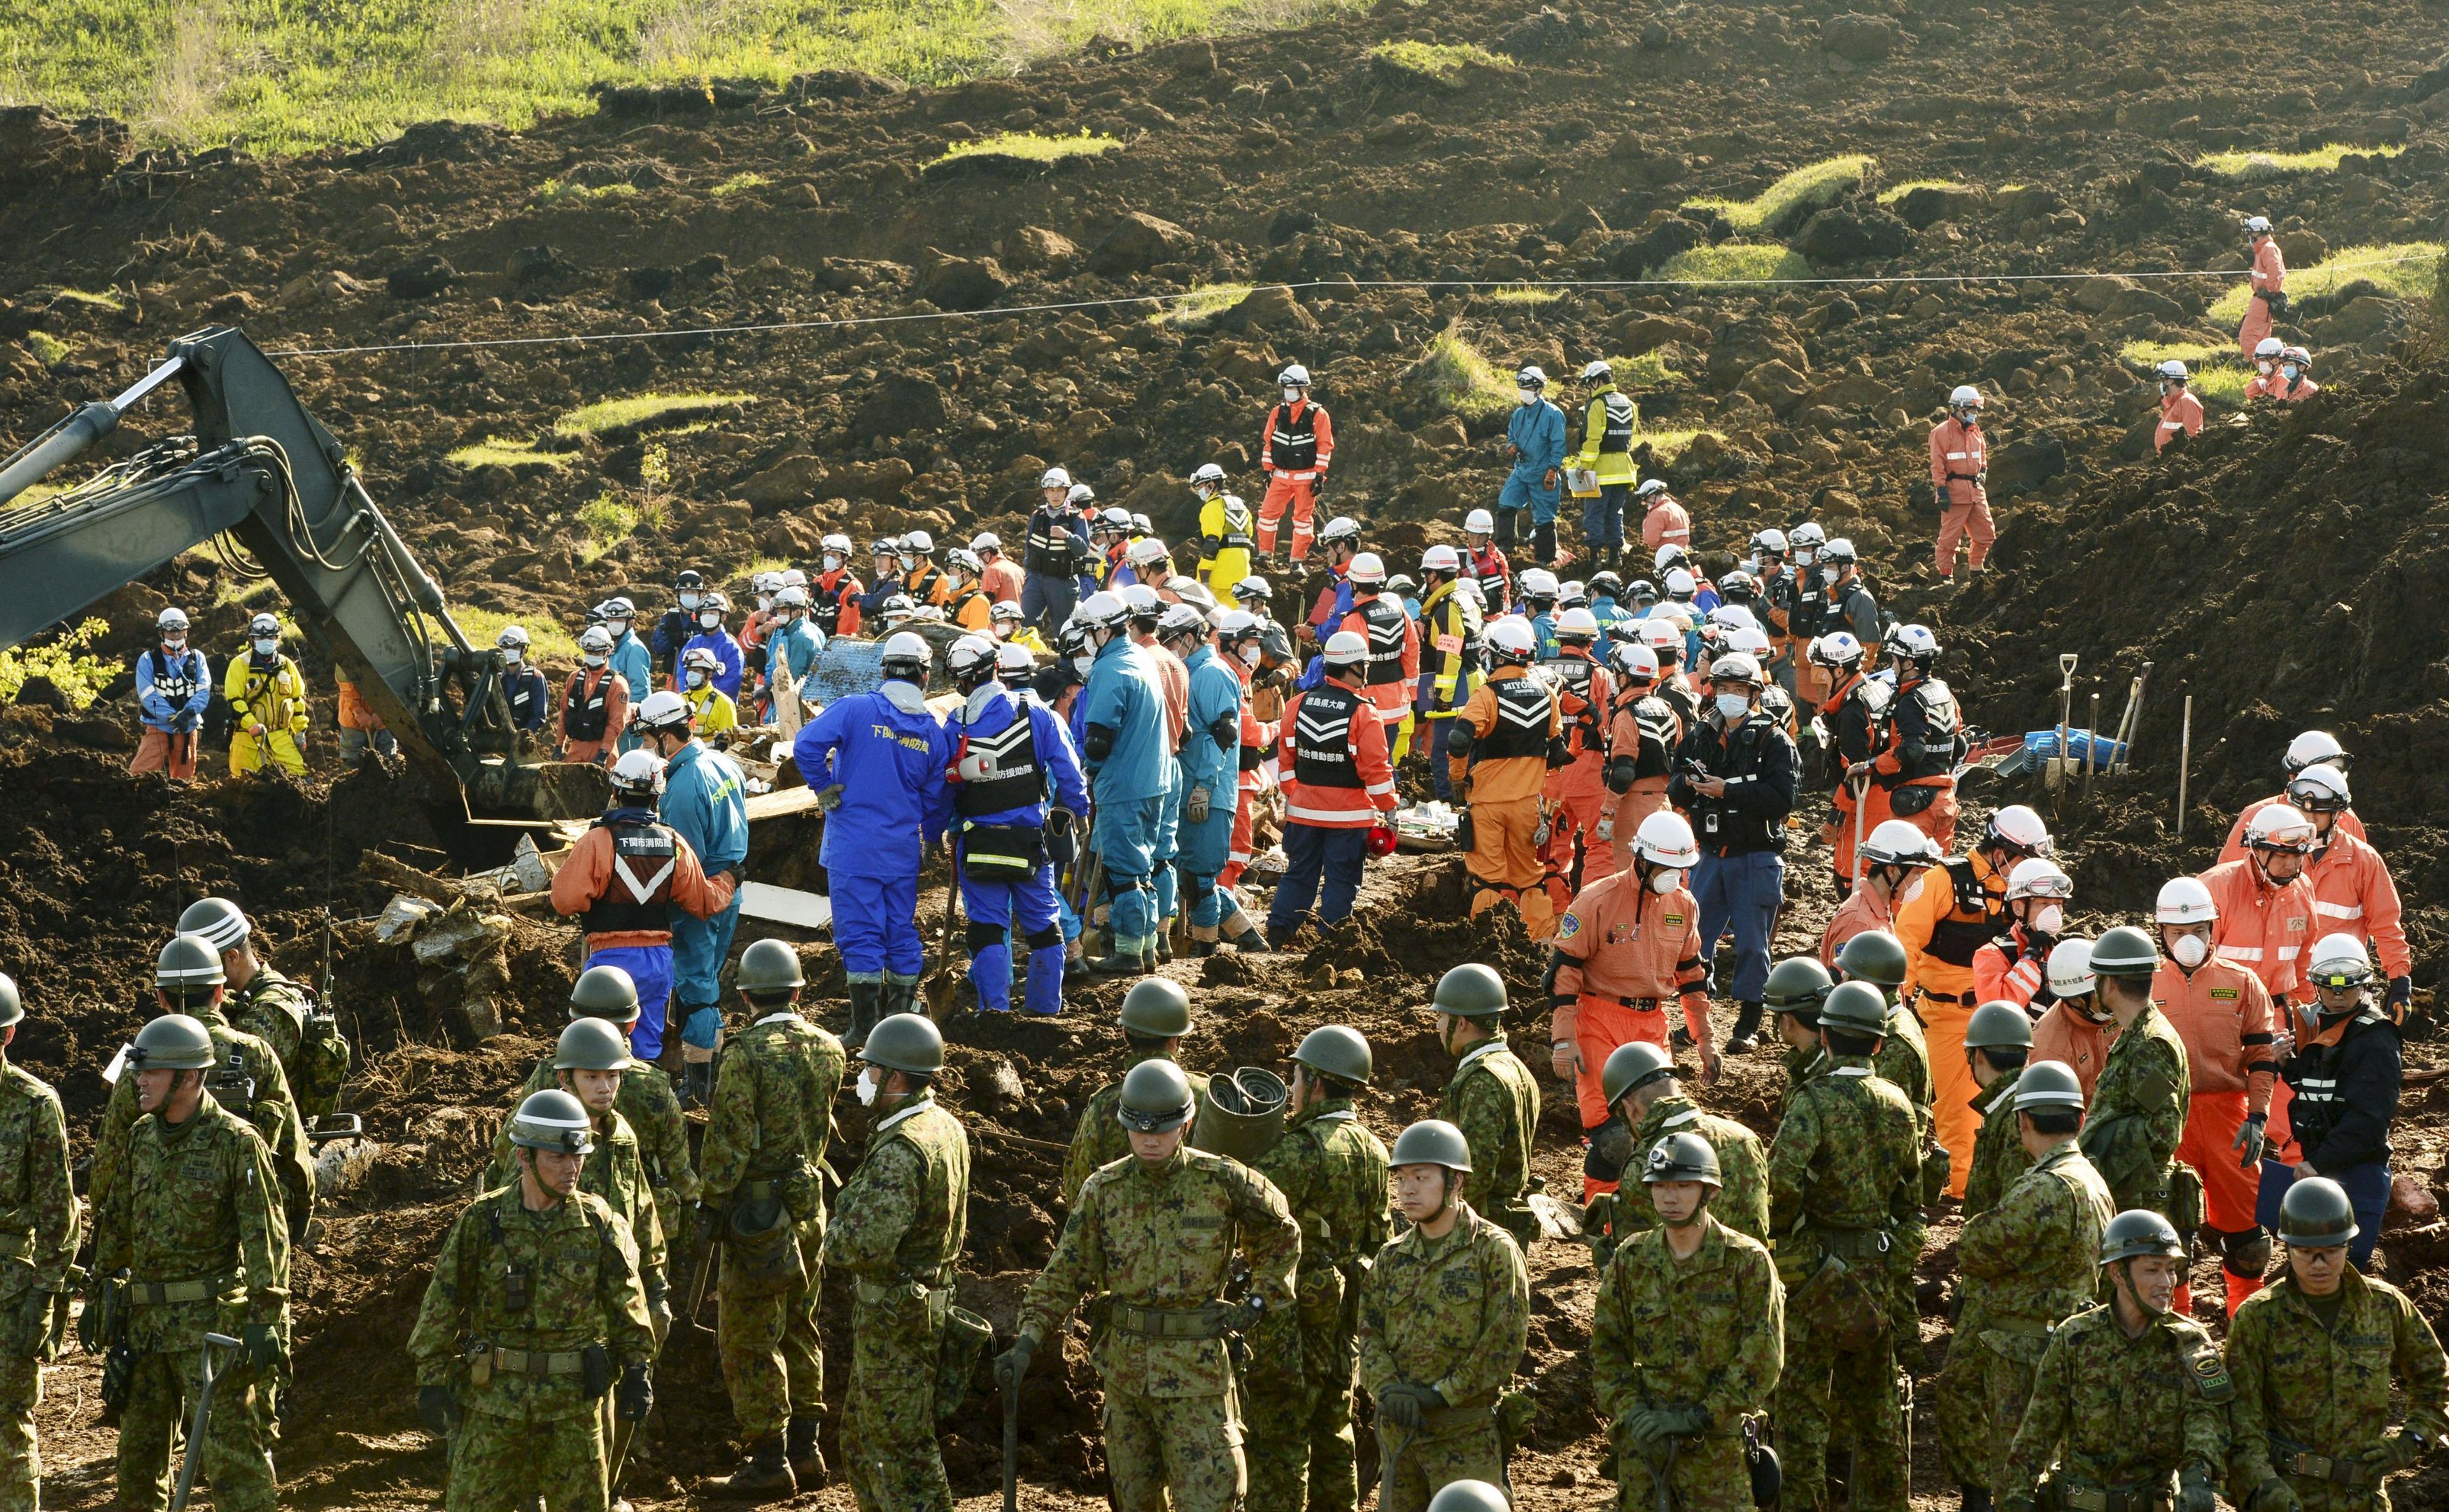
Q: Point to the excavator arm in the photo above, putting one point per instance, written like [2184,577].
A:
[261,467]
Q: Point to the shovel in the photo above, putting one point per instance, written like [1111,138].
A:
[945,978]
[198,1429]
[1012,1450]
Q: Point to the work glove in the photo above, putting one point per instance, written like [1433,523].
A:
[1564,1060]
[1011,1366]
[1606,829]
[2400,997]
[635,1396]
[1677,1423]
[437,1409]
[2194,1490]
[830,798]
[260,1347]
[2399,1449]
[1195,807]
[2274,1495]
[88,1326]
[2250,1140]
[1403,1404]
[255,731]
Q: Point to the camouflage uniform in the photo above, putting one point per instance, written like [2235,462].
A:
[1159,1243]
[617,1173]
[530,1428]
[2303,1387]
[768,1123]
[272,1114]
[2138,1114]
[1845,1182]
[193,1219]
[898,1234]
[2117,1414]
[1333,1174]
[1707,1332]
[1741,1204]
[1453,1313]
[1998,1154]
[38,1223]
[2028,1264]
[272,1008]
[1101,1139]
[1492,1099]
[1964,1382]
[653,1112]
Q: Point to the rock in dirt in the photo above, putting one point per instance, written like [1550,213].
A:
[902,404]
[1742,345]
[1930,204]
[2026,463]
[1843,234]
[1272,308]
[951,283]
[1138,243]
[1035,249]
[2357,322]
[1860,38]
[421,278]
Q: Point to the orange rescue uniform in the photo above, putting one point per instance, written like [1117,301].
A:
[2066,1035]
[1665,523]
[2234,849]
[1948,913]
[2180,410]
[2353,895]
[1512,717]
[1295,449]
[593,870]
[1622,953]
[2267,276]
[1958,460]
[2223,1016]
[1863,911]
[2264,929]
[2004,970]
[1576,793]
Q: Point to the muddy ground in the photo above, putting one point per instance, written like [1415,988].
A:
[2285,574]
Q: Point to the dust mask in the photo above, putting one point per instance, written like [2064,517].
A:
[697,679]
[1733,705]
[1250,655]
[2189,951]
[1802,556]
[1666,881]
[689,600]
[833,563]
[511,657]
[594,659]
[1292,396]
[2049,920]
[710,620]
[764,602]
[2265,366]
[2290,370]
[174,645]
[867,1088]
[266,647]
[1084,665]
[1828,576]
[1526,396]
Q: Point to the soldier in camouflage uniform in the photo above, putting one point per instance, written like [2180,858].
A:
[193,1236]
[40,1230]
[898,1234]
[1688,1339]
[2128,1396]
[1639,1083]
[1445,1312]
[1333,1174]
[2028,1264]
[1998,1040]
[1492,1097]
[273,1009]
[1845,1203]
[1797,986]
[646,1100]
[771,1117]
[1877,957]
[2138,1106]
[1155,1016]
[534,1307]
[2314,1356]
[1156,1233]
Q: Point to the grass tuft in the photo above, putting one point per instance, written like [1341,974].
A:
[1665,446]
[47,349]
[2216,371]
[554,191]
[1520,294]
[1814,186]
[1891,196]
[547,640]
[642,412]
[2248,168]
[1030,146]
[493,452]
[608,520]
[1736,263]
[1648,371]
[2402,270]
[739,183]
[91,299]
[1193,311]
[1440,61]
[1455,376]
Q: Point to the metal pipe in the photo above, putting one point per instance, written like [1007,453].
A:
[2185,759]
[426,592]
[71,437]
[2091,746]
[2066,697]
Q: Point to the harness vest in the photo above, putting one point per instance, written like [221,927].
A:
[1052,545]
[178,685]
[1323,737]
[1525,706]
[2314,1111]
[521,694]
[1017,778]
[1294,448]
[1582,731]
[1954,941]
[1386,622]
[825,604]
[1927,744]
[639,896]
[1238,524]
[585,718]
[1621,419]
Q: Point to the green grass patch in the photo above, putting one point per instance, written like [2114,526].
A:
[1665,446]
[1192,311]
[1520,294]
[63,660]
[559,191]
[247,593]
[2402,270]
[1648,371]
[1455,376]
[640,412]
[2248,168]
[91,299]
[1891,196]
[739,183]
[608,520]
[1442,62]
[47,349]
[2213,370]
[1736,263]
[1814,186]
[1032,146]
[491,452]
[547,640]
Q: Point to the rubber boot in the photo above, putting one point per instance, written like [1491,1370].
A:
[1163,942]
[1747,1026]
[864,999]
[901,996]
[807,1461]
[764,1475]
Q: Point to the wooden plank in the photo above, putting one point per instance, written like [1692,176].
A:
[774,805]
[785,905]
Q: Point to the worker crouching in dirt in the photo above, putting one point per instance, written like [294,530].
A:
[1500,748]
[1338,787]
[1014,774]
[267,700]
[1736,775]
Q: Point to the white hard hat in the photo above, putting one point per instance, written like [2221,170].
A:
[1253,587]
[1511,637]
[965,559]
[619,607]
[1013,657]
[2172,369]
[1732,618]
[2018,826]
[1665,839]
[1531,378]
[1441,559]
[1771,539]
[1081,494]
[1293,376]
[1342,528]
[2320,790]
[919,543]
[2069,970]
[1914,643]
[1537,582]
[596,638]
[2258,225]
[1479,522]
[1104,610]
[1964,394]
[1655,485]
[792,597]
[793,577]
[1367,569]
[2038,878]
[968,654]
[1658,634]
[2312,747]
[1055,477]
[2268,346]
[172,618]
[1737,668]
[1680,581]
[1141,601]
[1836,649]
[897,606]
[1146,552]
[1182,619]
[1346,649]
[1808,534]
[513,635]
[1577,623]
[2339,961]
[1896,842]
[986,541]
[661,710]
[1594,371]
[264,625]
[700,657]
[2184,901]
[2278,827]
[638,771]
[1235,623]
[904,648]
[1637,661]
[1839,549]
[767,582]
[1209,473]
[1751,640]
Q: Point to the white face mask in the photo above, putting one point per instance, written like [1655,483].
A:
[832,562]
[1526,396]
[593,659]
[1733,705]
[2048,918]
[1292,396]
[1666,881]
[867,1087]
[910,563]
[2290,370]
[1084,665]
[1828,574]
[1802,556]
[689,600]
[174,645]
[1250,655]
[710,620]
[2264,365]
[764,602]
[618,626]
[265,648]
[511,657]
[2189,951]
[697,679]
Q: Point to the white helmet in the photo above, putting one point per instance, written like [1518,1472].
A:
[919,543]
[1658,634]
[2184,901]
[793,577]
[1055,477]
[2257,225]
[1537,582]
[1182,619]
[1771,540]
[2268,348]
[1209,473]
[1964,395]
[2038,878]
[1141,602]
[1593,372]
[1342,528]
[1104,610]
[1253,588]
[1837,649]
[2320,790]
[1293,377]
[1914,643]
[1479,522]
[1752,641]
[1637,662]
[2173,369]
[2278,827]
[1670,554]
[2314,747]
[2339,961]
[1531,377]
[172,620]
[1441,559]
[908,651]
[965,559]
[1681,582]
[1577,624]
[2016,825]
[1233,624]
[1839,550]
[986,541]
[700,658]
[1146,552]
[1737,668]
[619,607]
[1367,569]
[2070,968]
[595,640]
[1733,617]
[896,606]
[1665,839]
[1012,657]
[765,584]
[1081,494]
[637,773]
[1655,485]
[1898,844]
[513,635]
[1346,649]
[1807,536]
[264,625]
[971,653]
[661,710]
[791,598]
[1510,640]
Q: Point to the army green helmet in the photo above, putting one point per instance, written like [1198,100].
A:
[1339,1050]
[1156,1097]
[2316,1215]
[1471,991]
[605,992]
[592,1044]
[770,967]
[1876,957]
[1857,1007]
[1156,1008]
[217,920]
[1634,1064]
[1469,1495]
[2125,952]
[1798,986]
[2137,1233]
[12,1008]
[553,1120]
[187,963]
[173,1043]
[2048,1084]
[1682,1157]
[909,1042]
[1431,1143]
[1998,1025]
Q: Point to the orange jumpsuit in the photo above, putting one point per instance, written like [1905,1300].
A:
[1652,754]
[2180,410]
[2223,1016]
[1941,939]
[2277,389]
[1665,523]
[2346,824]
[2264,929]
[1513,716]
[586,689]
[1936,819]
[1863,911]
[1958,460]
[593,869]
[2004,970]
[1622,952]
[2268,276]
[1295,449]
[2353,895]
[1576,793]
[2066,1035]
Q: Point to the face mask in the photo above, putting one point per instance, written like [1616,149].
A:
[833,563]
[689,600]
[2189,951]
[1084,665]
[265,648]
[697,679]
[1803,557]
[2049,920]
[1828,576]
[910,563]
[618,626]
[867,1088]
[1292,396]
[2265,366]
[510,657]
[1733,705]
[175,647]
[2290,370]
[1666,881]
[764,602]
[593,660]
[710,620]
[1250,655]
[1526,396]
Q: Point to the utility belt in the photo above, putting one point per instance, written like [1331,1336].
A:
[166,1293]
[591,1364]
[1239,541]
[1002,853]
[2291,1458]
[2062,1496]
[1207,1320]
[871,1291]
[1852,1244]
[1640,1005]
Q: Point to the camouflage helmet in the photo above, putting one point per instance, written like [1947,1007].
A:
[1856,1007]
[2316,1215]
[2136,1234]
[1634,1064]
[1876,957]
[1469,1495]
[1156,1097]
[1431,1143]
[592,1044]
[605,992]
[1998,1025]
[172,1042]
[217,920]
[188,961]
[1156,1008]
[905,1043]
[2125,952]
[553,1120]
[1339,1050]
[1471,991]
[12,1008]
[770,967]
[1684,1157]
[2048,1084]
[1798,986]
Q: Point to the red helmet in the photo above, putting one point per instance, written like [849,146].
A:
[1382,841]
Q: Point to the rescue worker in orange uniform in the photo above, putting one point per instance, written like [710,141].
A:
[1959,467]
[1663,522]
[2294,383]
[594,703]
[2352,890]
[1338,787]
[2179,408]
[1642,731]
[1498,752]
[1926,738]
[1959,907]
[1379,618]
[2265,905]
[1295,449]
[1893,856]
[1627,945]
[2268,279]
[1576,793]
[1855,714]
[2315,747]
[2265,368]
[2223,1016]
[2076,1030]
[2014,967]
